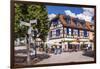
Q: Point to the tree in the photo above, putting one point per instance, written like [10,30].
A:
[27,12]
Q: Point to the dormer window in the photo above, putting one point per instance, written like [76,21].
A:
[76,20]
[68,19]
[82,23]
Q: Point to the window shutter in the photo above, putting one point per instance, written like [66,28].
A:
[78,32]
[72,32]
[67,30]
[85,33]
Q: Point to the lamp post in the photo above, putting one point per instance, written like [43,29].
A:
[35,32]
[29,36]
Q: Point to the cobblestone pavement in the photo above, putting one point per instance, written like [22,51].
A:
[66,57]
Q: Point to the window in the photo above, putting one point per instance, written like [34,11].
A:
[76,20]
[87,33]
[75,32]
[54,33]
[82,23]
[68,31]
[81,33]
[58,32]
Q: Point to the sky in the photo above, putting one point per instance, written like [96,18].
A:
[61,9]
[79,12]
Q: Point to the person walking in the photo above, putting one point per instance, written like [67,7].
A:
[60,49]
[55,50]
[46,49]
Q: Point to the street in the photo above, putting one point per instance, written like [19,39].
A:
[66,57]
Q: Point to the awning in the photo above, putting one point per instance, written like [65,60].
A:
[49,42]
[56,43]
[74,43]
[86,42]
[59,40]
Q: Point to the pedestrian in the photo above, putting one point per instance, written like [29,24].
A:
[46,49]
[52,49]
[60,49]
[55,50]
[87,48]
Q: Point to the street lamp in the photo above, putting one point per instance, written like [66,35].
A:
[35,32]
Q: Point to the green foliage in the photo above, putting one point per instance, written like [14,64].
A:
[27,12]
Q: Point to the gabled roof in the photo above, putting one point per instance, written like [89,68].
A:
[72,24]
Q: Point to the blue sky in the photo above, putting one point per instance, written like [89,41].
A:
[61,9]
[79,12]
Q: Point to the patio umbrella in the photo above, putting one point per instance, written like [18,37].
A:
[38,39]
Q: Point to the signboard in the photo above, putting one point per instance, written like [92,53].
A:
[33,21]
[24,23]
[29,30]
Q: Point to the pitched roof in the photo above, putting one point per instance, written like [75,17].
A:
[72,24]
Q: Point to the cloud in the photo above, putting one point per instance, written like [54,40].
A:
[87,14]
[88,11]
[51,16]
[68,12]
[84,17]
